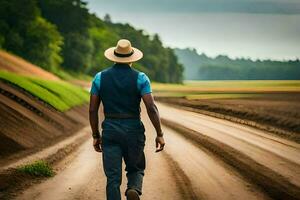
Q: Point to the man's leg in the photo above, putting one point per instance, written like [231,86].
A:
[112,163]
[134,159]
[135,175]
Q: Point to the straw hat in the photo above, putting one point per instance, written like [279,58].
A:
[123,52]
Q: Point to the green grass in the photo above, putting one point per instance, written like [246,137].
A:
[224,89]
[39,168]
[71,95]
[59,94]
[66,75]
[63,74]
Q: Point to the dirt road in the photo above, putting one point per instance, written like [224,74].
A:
[278,154]
[183,170]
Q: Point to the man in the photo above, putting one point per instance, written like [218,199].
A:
[120,88]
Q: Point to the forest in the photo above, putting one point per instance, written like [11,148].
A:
[62,35]
[202,67]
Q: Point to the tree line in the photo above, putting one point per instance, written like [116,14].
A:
[63,34]
[202,67]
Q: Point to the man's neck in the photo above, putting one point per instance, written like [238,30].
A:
[124,64]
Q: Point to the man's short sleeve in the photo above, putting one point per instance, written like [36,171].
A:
[144,85]
[95,89]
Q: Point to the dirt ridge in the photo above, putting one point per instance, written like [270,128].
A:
[223,114]
[30,124]
[182,180]
[28,106]
[12,181]
[275,185]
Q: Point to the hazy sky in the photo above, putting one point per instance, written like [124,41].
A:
[238,28]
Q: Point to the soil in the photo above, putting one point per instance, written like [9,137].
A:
[172,174]
[28,125]
[58,155]
[278,113]
[262,158]
[15,64]
[204,158]
[272,183]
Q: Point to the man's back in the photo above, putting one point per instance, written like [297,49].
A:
[119,92]
[120,89]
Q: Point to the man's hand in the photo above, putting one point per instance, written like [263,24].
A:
[97,144]
[160,143]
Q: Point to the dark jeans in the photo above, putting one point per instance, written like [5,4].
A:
[123,138]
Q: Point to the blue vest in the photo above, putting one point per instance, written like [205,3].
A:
[119,93]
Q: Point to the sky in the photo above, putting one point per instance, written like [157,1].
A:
[255,29]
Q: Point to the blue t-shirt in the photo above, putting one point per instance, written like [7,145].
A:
[143,84]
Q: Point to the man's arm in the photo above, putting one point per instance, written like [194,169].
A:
[94,122]
[154,117]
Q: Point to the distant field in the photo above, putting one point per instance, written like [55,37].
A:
[268,105]
[59,94]
[224,89]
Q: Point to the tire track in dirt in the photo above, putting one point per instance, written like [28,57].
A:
[272,122]
[13,182]
[163,177]
[84,178]
[181,171]
[205,174]
[182,180]
[275,185]
[278,154]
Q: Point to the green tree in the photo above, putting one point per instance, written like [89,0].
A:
[72,19]
[14,18]
[102,38]
[25,33]
[107,18]
[77,51]
[43,44]
[63,32]
[201,67]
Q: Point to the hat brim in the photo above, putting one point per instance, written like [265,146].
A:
[137,55]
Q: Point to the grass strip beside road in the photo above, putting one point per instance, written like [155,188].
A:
[59,94]
[71,95]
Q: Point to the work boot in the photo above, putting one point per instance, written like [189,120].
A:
[132,194]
